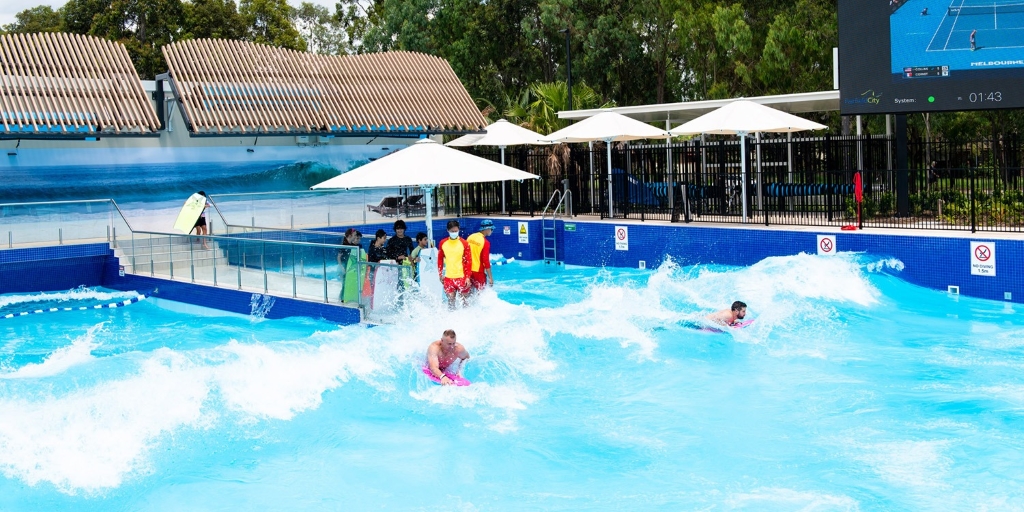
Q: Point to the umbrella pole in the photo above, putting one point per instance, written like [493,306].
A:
[743,171]
[428,190]
[590,151]
[611,202]
[502,183]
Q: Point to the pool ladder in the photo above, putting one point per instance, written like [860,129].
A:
[549,223]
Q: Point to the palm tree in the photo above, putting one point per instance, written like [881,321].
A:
[537,109]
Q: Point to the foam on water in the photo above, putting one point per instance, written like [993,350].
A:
[66,439]
[78,352]
[791,499]
[92,438]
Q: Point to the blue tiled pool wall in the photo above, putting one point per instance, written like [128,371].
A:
[61,267]
[224,299]
[70,266]
[928,261]
[932,262]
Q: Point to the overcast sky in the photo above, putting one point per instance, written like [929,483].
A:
[8,8]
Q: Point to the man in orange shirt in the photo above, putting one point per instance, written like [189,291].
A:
[480,270]
[453,264]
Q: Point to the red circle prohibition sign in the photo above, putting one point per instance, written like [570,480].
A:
[620,234]
[826,244]
[982,253]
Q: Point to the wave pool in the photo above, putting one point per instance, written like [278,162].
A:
[853,390]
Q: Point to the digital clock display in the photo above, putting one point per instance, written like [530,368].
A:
[976,97]
[897,56]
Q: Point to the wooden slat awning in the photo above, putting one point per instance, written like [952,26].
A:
[70,85]
[231,87]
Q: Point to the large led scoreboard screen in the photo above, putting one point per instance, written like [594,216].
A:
[930,55]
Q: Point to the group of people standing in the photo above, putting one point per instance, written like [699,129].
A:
[463,264]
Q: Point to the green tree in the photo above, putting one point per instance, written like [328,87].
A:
[41,18]
[401,25]
[212,19]
[270,22]
[143,26]
[354,17]
[797,54]
[619,47]
[323,33]
[77,15]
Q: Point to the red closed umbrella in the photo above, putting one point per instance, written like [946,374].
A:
[858,194]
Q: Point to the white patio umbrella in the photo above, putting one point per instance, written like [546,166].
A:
[466,140]
[740,118]
[425,164]
[500,133]
[609,127]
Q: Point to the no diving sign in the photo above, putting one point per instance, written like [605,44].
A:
[621,238]
[827,245]
[983,259]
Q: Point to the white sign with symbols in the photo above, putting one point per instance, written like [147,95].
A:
[827,245]
[524,233]
[621,238]
[507,230]
[983,259]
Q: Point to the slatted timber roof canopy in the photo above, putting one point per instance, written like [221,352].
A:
[70,85]
[230,87]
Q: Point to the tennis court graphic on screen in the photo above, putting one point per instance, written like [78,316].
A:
[930,55]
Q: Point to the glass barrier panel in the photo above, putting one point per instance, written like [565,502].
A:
[57,223]
[318,209]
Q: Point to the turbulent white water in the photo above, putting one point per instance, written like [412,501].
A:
[852,390]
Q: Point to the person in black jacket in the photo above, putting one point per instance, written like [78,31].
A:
[399,246]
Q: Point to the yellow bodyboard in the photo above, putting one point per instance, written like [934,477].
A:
[190,213]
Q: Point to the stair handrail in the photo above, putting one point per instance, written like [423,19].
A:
[559,205]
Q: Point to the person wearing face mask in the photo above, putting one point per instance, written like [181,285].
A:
[454,263]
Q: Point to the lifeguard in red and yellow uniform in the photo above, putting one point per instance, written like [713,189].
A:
[480,248]
[454,264]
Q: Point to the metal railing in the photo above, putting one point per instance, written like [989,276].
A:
[976,185]
[308,265]
[315,208]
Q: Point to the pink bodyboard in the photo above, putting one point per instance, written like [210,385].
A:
[739,325]
[459,381]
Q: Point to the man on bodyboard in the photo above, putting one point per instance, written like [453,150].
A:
[445,358]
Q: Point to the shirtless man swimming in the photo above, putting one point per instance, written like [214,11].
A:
[729,316]
[446,354]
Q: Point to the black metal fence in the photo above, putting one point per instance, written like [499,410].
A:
[806,181]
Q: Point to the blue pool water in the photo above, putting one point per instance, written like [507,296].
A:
[852,391]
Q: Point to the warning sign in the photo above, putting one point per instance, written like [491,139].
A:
[827,245]
[983,259]
[524,233]
[621,238]
[506,230]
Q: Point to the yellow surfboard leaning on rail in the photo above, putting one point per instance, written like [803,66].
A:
[190,213]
